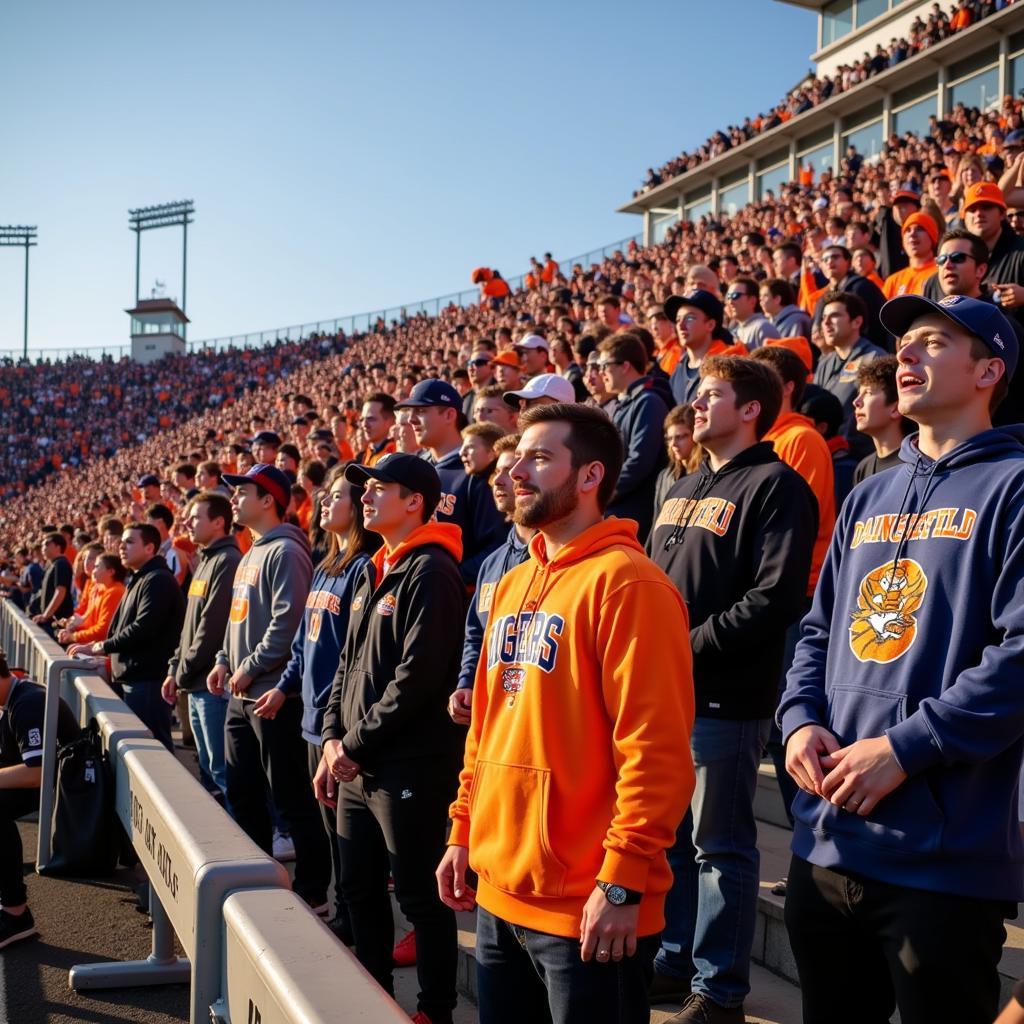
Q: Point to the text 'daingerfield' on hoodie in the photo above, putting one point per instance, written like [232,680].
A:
[917,633]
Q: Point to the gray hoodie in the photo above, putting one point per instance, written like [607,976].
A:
[268,601]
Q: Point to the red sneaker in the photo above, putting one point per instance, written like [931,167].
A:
[404,955]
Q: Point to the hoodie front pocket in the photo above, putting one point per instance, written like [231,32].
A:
[909,818]
[508,830]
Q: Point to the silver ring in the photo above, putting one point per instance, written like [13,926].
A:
[602,954]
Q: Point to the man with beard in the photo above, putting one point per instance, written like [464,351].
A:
[577,770]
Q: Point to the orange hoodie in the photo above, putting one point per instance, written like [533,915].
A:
[577,764]
[99,614]
[448,535]
[802,448]
[909,280]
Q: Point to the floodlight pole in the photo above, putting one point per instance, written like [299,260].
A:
[17,234]
[167,215]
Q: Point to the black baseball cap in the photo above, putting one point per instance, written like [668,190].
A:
[432,392]
[412,472]
[700,299]
[982,319]
[273,480]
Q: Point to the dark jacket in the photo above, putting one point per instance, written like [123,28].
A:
[467,502]
[512,553]
[839,375]
[400,663]
[891,255]
[146,626]
[574,375]
[871,295]
[207,606]
[917,633]
[640,416]
[737,543]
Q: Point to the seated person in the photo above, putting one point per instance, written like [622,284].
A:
[21,760]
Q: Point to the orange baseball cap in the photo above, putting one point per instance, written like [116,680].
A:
[506,359]
[984,192]
[801,346]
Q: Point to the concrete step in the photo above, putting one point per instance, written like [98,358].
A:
[768,804]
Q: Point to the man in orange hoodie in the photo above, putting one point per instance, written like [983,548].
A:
[577,765]
[387,737]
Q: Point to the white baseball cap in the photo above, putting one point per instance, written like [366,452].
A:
[544,385]
[533,341]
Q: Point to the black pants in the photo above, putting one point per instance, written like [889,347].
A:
[398,818]
[262,751]
[145,700]
[523,975]
[14,804]
[329,815]
[864,947]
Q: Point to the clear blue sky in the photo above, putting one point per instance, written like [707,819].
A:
[346,157]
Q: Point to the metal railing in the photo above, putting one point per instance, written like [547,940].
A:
[360,323]
[253,949]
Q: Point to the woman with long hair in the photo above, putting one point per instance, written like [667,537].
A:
[683,454]
[316,649]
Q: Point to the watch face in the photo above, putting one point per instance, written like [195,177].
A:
[616,894]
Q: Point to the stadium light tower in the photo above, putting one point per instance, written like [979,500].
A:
[18,234]
[169,215]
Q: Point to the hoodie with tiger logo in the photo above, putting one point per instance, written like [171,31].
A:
[917,633]
[577,765]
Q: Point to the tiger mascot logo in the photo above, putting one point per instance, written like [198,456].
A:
[883,627]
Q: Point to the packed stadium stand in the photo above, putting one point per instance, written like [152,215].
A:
[915,113]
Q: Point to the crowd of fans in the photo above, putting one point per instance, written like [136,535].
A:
[705,433]
[923,33]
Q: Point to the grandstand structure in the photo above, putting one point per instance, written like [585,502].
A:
[975,68]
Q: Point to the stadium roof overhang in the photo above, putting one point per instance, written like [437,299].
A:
[842,107]
[810,5]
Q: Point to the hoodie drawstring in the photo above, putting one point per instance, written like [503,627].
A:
[706,482]
[925,495]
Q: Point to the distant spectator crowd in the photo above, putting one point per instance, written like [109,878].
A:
[924,32]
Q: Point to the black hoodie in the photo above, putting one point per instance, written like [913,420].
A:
[737,543]
[146,626]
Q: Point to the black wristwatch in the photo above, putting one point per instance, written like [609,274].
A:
[618,896]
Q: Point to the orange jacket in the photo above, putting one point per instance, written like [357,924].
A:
[369,457]
[99,614]
[669,356]
[577,764]
[83,601]
[908,281]
[802,448]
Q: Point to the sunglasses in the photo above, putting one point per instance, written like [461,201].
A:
[1014,214]
[733,296]
[956,258]
[479,362]
[605,363]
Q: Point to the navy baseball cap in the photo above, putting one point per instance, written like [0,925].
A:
[703,300]
[1015,138]
[266,437]
[984,320]
[149,480]
[432,392]
[412,472]
[270,478]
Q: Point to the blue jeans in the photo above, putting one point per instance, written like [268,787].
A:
[523,975]
[206,712]
[712,905]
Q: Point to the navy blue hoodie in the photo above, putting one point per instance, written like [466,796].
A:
[917,633]
[512,553]
[467,502]
[316,649]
